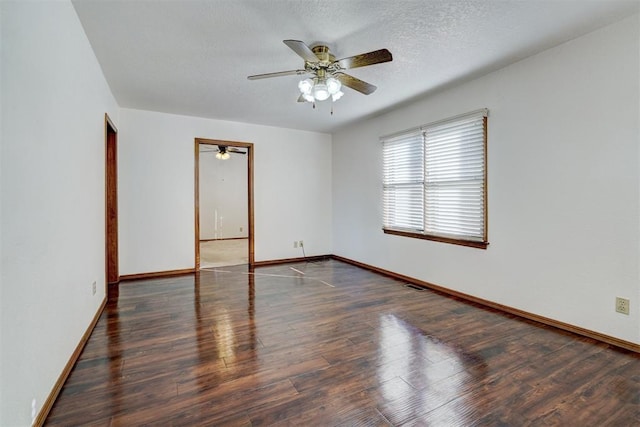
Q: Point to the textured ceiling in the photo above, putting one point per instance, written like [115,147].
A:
[193,57]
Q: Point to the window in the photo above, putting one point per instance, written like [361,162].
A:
[434,181]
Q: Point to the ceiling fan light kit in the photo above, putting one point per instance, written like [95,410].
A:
[223,152]
[318,89]
[327,73]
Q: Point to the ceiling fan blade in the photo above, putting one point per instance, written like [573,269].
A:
[301,98]
[278,74]
[235,150]
[302,50]
[356,84]
[364,59]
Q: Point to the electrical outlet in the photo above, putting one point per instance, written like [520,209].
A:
[295,243]
[301,244]
[622,305]
[93,287]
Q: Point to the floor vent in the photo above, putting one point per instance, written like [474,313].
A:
[417,288]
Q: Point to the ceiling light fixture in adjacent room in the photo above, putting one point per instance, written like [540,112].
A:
[222,153]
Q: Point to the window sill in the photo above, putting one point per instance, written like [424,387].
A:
[453,241]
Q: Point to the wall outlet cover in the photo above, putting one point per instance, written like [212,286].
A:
[622,305]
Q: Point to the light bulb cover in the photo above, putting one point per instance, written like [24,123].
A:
[320,91]
[333,85]
[337,95]
[305,85]
[225,156]
[308,97]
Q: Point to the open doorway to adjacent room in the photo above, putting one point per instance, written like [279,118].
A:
[223,203]
[111,208]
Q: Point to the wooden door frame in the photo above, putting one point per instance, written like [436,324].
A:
[112,274]
[244,145]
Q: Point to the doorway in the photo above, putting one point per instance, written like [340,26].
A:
[111,207]
[224,228]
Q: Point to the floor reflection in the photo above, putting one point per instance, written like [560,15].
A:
[432,371]
[225,335]
[114,351]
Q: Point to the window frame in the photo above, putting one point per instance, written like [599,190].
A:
[482,243]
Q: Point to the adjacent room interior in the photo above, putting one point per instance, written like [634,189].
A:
[378,274]
[223,205]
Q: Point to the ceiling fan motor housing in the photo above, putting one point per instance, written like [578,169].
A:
[324,55]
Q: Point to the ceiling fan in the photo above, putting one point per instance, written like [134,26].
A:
[326,73]
[223,151]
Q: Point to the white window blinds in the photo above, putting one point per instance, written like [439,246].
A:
[403,160]
[434,179]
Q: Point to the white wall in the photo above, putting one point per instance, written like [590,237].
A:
[564,186]
[223,196]
[54,98]
[292,189]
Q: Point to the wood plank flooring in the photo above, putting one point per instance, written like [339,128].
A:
[337,345]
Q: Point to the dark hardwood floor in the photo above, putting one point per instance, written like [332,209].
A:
[338,345]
